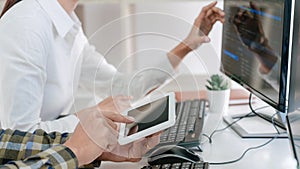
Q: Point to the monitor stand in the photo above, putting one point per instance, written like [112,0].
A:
[257,127]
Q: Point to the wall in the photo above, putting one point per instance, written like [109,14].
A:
[1,4]
[172,21]
[95,17]
[169,22]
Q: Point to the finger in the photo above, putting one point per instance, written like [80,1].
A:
[112,124]
[203,13]
[122,102]
[122,105]
[254,7]
[106,100]
[134,160]
[155,134]
[152,141]
[209,13]
[133,130]
[121,97]
[218,11]
[108,156]
[215,11]
[216,18]
[116,117]
[208,7]
[203,39]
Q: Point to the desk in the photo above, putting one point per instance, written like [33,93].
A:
[227,145]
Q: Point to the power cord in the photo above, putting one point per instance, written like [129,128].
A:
[244,153]
[273,121]
[253,111]
[231,124]
[251,148]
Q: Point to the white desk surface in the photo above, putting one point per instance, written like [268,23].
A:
[227,146]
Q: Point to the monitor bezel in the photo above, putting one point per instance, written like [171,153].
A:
[294,100]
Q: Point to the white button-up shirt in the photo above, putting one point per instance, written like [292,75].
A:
[45,57]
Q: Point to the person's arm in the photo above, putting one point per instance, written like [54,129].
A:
[98,76]
[34,149]
[40,148]
[56,157]
[103,79]
[201,28]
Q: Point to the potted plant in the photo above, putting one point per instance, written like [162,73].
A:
[218,92]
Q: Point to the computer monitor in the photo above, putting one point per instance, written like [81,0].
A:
[256,49]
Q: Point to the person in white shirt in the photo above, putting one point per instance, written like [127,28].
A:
[45,57]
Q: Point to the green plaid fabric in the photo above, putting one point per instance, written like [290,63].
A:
[35,150]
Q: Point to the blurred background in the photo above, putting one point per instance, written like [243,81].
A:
[132,33]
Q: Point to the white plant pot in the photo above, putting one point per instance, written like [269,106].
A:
[218,106]
[218,101]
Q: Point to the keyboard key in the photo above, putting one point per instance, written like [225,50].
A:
[188,125]
[165,166]
[183,165]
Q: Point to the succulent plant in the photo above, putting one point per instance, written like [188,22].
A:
[217,82]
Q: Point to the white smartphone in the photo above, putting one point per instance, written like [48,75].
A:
[155,115]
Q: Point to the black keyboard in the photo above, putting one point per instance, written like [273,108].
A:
[184,165]
[188,127]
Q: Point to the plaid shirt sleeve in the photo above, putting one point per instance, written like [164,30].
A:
[35,150]
[56,157]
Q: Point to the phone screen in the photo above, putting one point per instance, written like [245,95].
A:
[148,115]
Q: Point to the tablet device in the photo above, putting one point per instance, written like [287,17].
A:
[150,117]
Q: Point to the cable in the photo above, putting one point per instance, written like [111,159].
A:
[275,123]
[251,148]
[273,116]
[245,152]
[231,124]
[208,137]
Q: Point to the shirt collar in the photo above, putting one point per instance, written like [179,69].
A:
[61,19]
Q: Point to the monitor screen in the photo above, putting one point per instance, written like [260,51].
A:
[255,47]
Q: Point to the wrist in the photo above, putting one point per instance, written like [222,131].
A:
[181,50]
[75,151]
[178,53]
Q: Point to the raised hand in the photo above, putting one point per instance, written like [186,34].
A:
[203,24]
